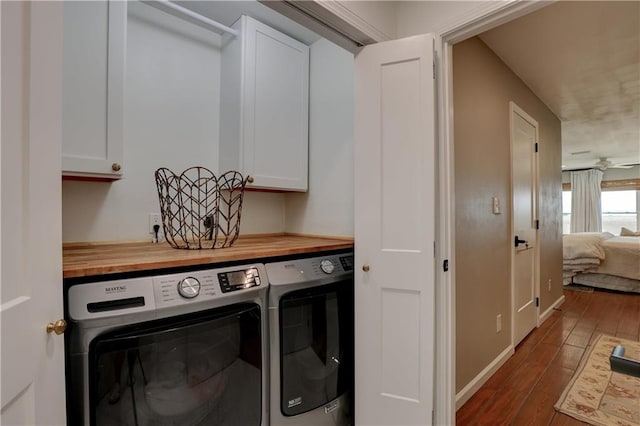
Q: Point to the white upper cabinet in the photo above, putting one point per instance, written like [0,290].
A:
[93,88]
[264,107]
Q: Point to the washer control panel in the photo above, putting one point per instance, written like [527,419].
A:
[189,287]
[181,288]
[204,285]
[136,295]
[238,280]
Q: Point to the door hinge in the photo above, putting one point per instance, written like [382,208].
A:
[536,147]
[445,265]
[537,224]
[537,302]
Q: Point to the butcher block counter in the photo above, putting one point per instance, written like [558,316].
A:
[89,259]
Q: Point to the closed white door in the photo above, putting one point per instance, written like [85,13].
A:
[32,361]
[524,136]
[394,232]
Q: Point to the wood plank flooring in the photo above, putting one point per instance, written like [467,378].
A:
[524,390]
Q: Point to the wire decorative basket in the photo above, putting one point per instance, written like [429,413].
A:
[198,209]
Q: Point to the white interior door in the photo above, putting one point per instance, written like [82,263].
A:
[32,361]
[524,136]
[394,232]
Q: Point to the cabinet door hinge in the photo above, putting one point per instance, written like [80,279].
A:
[537,224]
[536,147]
[445,265]
[537,302]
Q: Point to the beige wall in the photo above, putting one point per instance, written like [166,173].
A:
[483,87]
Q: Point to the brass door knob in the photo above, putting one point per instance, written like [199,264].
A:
[365,267]
[250,179]
[116,167]
[58,327]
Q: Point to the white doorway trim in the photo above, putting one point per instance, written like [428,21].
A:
[490,15]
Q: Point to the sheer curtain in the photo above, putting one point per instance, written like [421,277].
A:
[586,210]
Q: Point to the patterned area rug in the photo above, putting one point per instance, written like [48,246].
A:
[598,396]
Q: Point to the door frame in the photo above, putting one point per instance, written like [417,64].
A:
[516,109]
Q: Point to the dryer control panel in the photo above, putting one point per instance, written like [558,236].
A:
[328,267]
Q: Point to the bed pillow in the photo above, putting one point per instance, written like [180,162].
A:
[626,232]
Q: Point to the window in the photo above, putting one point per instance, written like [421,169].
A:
[566,212]
[619,208]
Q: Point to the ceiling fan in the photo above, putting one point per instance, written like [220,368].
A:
[604,164]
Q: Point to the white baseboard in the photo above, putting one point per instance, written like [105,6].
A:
[472,387]
[546,314]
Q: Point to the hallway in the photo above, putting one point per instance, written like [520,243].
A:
[524,390]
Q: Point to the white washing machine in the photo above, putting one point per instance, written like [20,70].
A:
[175,349]
[311,340]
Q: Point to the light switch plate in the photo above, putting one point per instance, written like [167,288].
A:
[496,205]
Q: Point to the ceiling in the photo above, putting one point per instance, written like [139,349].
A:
[582,59]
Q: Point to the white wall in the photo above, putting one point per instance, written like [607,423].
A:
[420,17]
[377,14]
[172,93]
[327,208]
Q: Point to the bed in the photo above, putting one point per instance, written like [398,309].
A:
[600,259]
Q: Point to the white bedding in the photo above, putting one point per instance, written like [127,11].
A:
[582,252]
[621,257]
[584,245]
[601,255]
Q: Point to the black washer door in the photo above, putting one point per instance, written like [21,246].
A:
[197,369]
[316,346]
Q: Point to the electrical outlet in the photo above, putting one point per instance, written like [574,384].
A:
[154,219]
[499,323]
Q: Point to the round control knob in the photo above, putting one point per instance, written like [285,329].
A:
[189,287]
[327,266]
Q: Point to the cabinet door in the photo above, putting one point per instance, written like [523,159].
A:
[275,109]
[93,90]
[394,182]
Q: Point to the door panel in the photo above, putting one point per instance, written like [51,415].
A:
[32,369]
[401,335]
[524,135]
[394,229]
[400,143]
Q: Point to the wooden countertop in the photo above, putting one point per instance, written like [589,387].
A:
[87,259]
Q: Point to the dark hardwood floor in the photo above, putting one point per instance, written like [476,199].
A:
[524,390]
